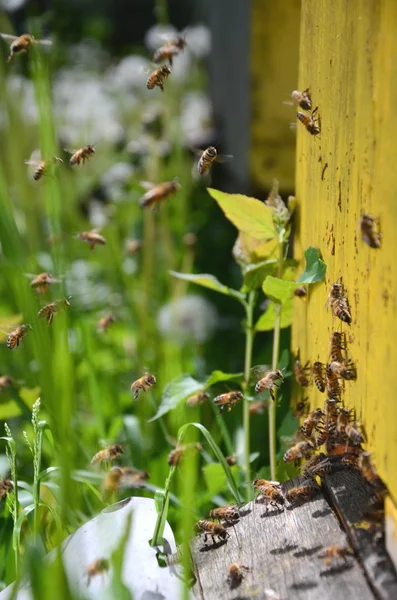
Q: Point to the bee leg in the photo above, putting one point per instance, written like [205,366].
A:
[136,394]
[161,87]
[205,538]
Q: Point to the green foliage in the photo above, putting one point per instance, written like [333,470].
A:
[209,281]
[315,267]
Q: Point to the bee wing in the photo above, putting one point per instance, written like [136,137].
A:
[8,37]
[70,150]
[32,162]
[197,151]
[44,42]
[147,185]
[223,158]
[257,373]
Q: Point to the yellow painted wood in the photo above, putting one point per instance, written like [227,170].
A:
[274,74]
[348,57]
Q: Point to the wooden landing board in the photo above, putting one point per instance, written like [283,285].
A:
[280,547]
[352,497]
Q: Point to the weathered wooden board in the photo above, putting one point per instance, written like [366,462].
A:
[353,499]
[280,547]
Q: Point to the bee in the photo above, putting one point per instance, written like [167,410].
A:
[312,123]
[157,77]
[301,373]
[336,347]
[22,43]
[339,303]
[337,551]
[99,566]
[133,246]
[213,530]
[42,167]
[301,292]
[354,436]
[298,494]
[312,422]
[345,370]
[197,399]
[159,192]
[40,283]
[303,99]
[166,52]
[6,486]
[16,336]
[190,240]
[229,513]
[118,477]
[298,451]
[50,310]
[108,454]
[369,231]
[228,400]
[257,408]
[318,375]
[344,418]
[81,155]
[269,382]
[208,157]
[92,238]
[178,42]
[5,382]
[236,574]
[143,384]
[310,468]
[367,469]
[270,491]
[104,323]
[350,460]
[301,408]
[231,460]
[176,455]
[332,382]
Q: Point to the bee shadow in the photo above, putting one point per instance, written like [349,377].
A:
[321,513]
[304,585]
[337,570]
[245,512]
[284,549]
[213,546]
[272,513]
[307,551]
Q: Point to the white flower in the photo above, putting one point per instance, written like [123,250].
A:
[116,178]
[11,5]
[158,35]
[191,317]
[198,39]
[132,71]
[196,118]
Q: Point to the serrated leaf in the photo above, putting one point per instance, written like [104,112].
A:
[278,289]
[255,274]
[267,320]
[249,215]
[208,281]
[217,376]
[315,267]
[174,392]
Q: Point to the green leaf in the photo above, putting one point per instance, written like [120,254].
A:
[249,215]
[288,425]
[174,392]
[255,274]
[216,450]
[267,320]
[161,501]
[217,376]
[315,267]
[215,477]
[209,281]
[277,289]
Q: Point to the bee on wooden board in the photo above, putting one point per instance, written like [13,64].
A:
[22,43]
[108,454]
[143,384]
[98,567]
[40,283]
[339,303]
[336,347]
[43,167]
[270,491]
[213,530]
[318,375]
[207,158]
[104,323]
[92,238]
[6,486]
[158,193]
[81,155]
[313,421]
[332,382]
[303,99]
[197,399]
[298,451]
[16,335]
[236,574]
[336,551]
[269,382]
[354,436]
[5,382]
[300,493]
[370,231]
[301,373]
[228,400]
[301,292]
[176,455]
[312,122]
[230,513]
[49,311]
[157,78]
[118,477]
[344,419]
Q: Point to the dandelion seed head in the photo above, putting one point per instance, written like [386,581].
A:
[190,318]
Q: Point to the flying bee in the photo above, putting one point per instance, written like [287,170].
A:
[22,43]
[269,382]
[118,477]
[336,551]
[5,382]
[318,375]
[345,370]
[133,246]
[108,454]
[143,384]
[236,574]
[166,52]
[6,486]
[229,513]
[298,494]
[208,157]
[301,408]
[176,455]
[312,122]
[332,382]
[301,292]
[197,399]
[370,231]
[179,42]
[104,323]
[228,400]
[312,422]
[303,99]
[301,373]
[213,530]
[43,167]
[339,303]
[231,460]
[40,283]
[99,566]
[92,238]
[336,347]
[298,451]
[49,311]
[159,192]
[16,336]
[270,491]
[81,155]
[157,77]
[257,408]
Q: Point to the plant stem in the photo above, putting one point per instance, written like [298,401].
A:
[249,341]
[275,357]
[15,540]
[37,469]
[223,429]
